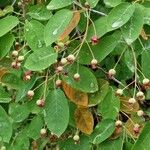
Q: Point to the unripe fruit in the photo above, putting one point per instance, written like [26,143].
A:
[71,58]
[18,64]
[94,62]
[76,76]
[140,113]
[111,72]
[30,93]
[58,83]
[63,61]
[27,77]
[136,128]
[43,131]
[118,123]
[140,94]
[59,69]
[119,92]
[76,138]
[132,101]
[146,81]
[14,53]
[94,40]
[40,102]
[14,64]
[20,58]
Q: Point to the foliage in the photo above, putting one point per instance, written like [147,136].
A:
[74,74]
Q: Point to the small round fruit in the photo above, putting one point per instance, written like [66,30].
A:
[63,61]
[140,94]
[118,123]
[58,82]
[76,138]
[40,102]
[94,40]
[59,69]
[140,113]
[18,64]
[112,72]
[76,76]
[94,62]
[119,92]
[71,58]
[14,53]
[43,131]
[136,128]
[20,58]
[14,64]
[27,77]
[30,93]
[146,81]
[19,4]
[132,101]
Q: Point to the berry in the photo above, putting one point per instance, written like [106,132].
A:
[118,123]
[63,61]
[136,128]
[76,77]
[76,137]
[146,81]
[19,4]
[111,72]
[140,113]
[20,58]
[43,131]
[14,64]
[132,101]
[18,64]
[40,102]
[58,82]
[27,77]
[94,40]
[59,69]
[14,53]
[30,93]
[140,94]
[119,92]
[94,62]
[71,58]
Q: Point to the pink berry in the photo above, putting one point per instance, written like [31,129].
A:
[94,40]
[76,77]
[40,102]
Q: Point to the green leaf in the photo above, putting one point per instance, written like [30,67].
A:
[21,141]
[7,24]
[69,144]
[41,59]
[143,142]
[100,26]
[103,131]
[39,13]
[54,4]
[33,130]
[6,43]
[119,15]
[145,62]
[132,29]
[112,3]
[92,3]
[57,112]
[116,144]
[12,81]
[57,25]
[18,112]
[4,96]
[89,85]
[34,34]
[5,126]
[110,106]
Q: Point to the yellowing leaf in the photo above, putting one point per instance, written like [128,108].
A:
[75,96]
[126,107]
[73,23]
[2,72]
[84,120]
